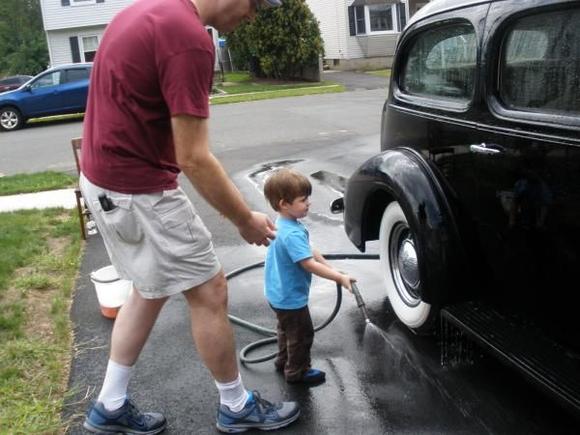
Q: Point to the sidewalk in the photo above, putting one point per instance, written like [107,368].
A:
[26,201]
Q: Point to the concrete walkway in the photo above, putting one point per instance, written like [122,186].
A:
[49,199]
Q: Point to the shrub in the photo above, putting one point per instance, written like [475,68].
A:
[280,43]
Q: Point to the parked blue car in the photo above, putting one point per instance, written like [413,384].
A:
[56,91]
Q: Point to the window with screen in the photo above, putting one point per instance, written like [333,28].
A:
[380,18]
[90,44]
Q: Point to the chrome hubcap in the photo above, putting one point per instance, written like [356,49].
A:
[404,264]
[8,119]
[408,263]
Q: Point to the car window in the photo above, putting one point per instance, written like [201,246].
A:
[74,75]
[441,63]
[540,68]
[51,79]
[11,81]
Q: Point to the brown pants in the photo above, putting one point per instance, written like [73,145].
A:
[295,338]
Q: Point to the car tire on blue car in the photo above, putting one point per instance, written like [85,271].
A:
[10,118]
[400,269]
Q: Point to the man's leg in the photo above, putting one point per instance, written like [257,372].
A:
[214,338]
[130,332]
[211,328]
[133,325]
[113,412]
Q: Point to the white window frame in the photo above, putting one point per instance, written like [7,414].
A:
[82,45]
[381,32]
[394,17]
[82,2]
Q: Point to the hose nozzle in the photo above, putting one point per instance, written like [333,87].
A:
[360,302]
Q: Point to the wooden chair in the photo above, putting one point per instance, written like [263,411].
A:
[83,211]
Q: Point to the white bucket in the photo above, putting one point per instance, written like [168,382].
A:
[112,292]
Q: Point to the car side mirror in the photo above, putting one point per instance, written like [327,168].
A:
[27,88]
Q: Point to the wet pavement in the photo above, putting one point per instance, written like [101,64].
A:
[381,378]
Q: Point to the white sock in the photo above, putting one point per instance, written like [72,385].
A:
[114,390]
[233,394]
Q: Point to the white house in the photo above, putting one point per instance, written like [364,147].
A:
[361,33]
[74,28]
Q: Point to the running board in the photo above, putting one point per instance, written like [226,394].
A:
[544,362]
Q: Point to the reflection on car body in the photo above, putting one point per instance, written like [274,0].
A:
[56,91]
[477,190]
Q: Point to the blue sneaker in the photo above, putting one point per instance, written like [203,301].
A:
[127,419]
[310,377]
[257,414]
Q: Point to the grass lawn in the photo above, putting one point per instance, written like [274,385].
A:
[239,87]
[39,260]
[380,73]
[28,183]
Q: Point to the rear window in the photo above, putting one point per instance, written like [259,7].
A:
[441,63]
[540,63]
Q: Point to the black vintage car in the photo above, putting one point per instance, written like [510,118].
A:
[475,197]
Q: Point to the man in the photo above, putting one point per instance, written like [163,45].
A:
[146,121]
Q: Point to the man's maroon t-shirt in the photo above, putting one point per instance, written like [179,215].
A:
[155,60]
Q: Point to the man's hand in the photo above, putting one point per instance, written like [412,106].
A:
[258,229]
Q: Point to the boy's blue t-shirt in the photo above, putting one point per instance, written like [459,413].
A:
[287,283]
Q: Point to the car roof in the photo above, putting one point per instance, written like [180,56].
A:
[69,66]
[438,6]
[17,76]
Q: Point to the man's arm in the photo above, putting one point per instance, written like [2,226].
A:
[205,172]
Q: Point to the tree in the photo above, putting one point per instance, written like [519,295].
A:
[22,42]
[280,43]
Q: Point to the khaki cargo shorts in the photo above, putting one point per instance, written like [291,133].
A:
[156,240]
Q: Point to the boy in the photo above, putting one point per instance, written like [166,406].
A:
[290,263]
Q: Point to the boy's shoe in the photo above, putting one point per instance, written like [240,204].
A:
[127,419]
[311,377]
[257,414]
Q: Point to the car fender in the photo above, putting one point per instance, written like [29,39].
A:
[9,99]
[404,176]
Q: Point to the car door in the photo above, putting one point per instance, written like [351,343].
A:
[527,158]
[42,96]
[435,105]
[74,89]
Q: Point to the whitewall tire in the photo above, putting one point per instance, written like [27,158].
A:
[400,268]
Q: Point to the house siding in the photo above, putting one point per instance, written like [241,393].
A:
[378,45]
[56,17]
[331,15]
[58,41]
[339,44]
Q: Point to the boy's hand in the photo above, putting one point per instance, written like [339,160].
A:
[346,281]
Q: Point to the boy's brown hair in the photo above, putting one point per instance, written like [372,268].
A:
[286,184]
